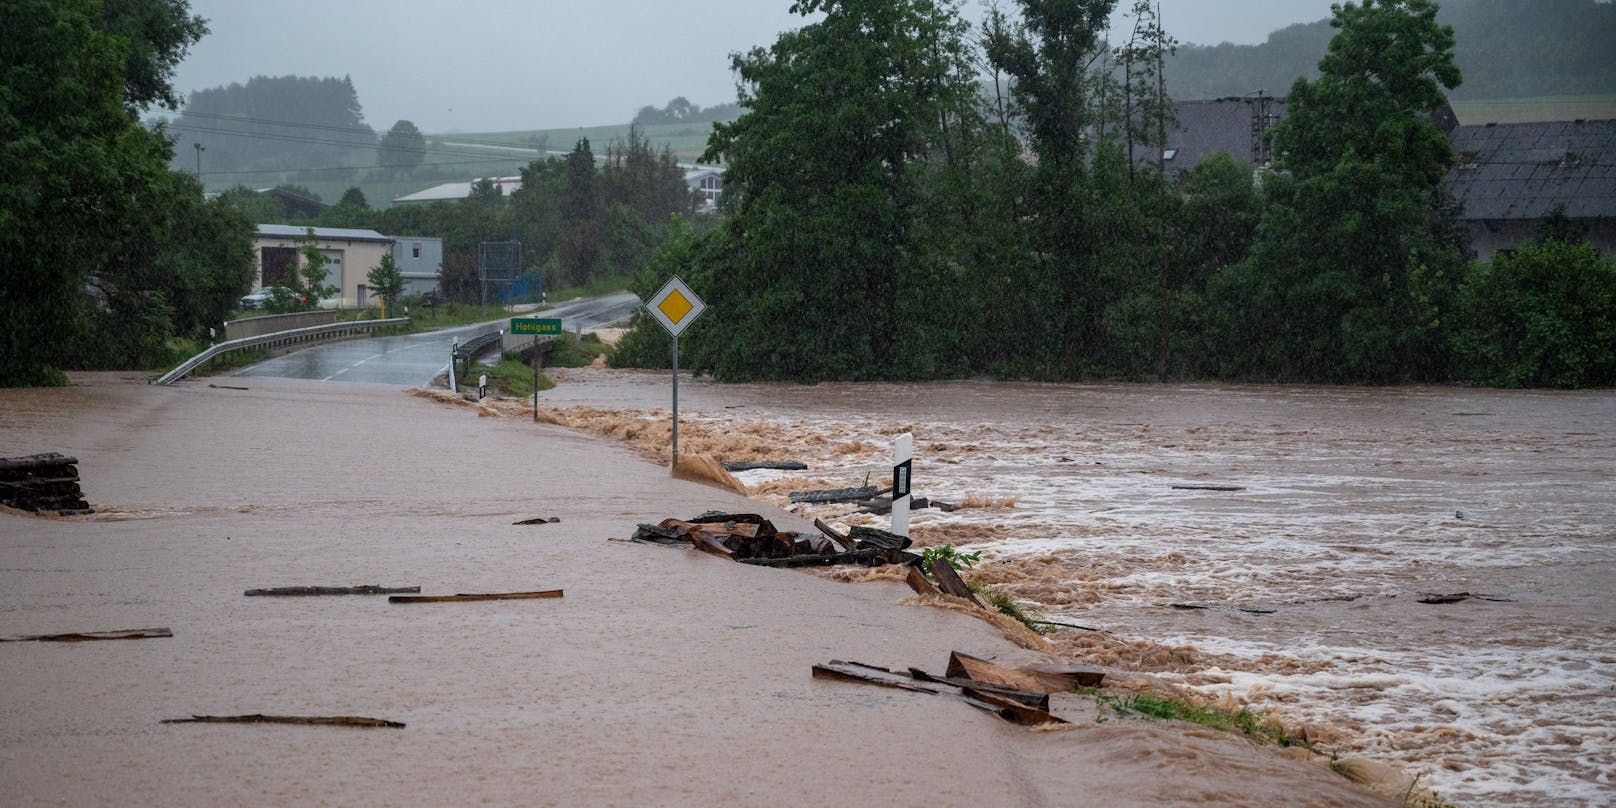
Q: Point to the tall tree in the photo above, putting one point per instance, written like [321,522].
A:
[1049,56]
[1350,275]
[402,149]
[842,115]
[386,282]
[82,175]
[583,218]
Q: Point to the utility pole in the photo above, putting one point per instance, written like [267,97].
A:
[199,149]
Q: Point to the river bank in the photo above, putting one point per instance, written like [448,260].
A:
[662,677]
[1270,545]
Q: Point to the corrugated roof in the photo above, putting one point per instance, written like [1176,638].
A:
[1207,127]
[1525,170]
[293,231]
[450,191]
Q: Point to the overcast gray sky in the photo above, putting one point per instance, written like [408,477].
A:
[491,65]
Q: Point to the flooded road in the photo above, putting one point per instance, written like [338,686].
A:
[1297,589]
[630,690]
[415,359]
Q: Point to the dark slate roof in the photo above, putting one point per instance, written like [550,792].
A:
[1525,170]
[1207,127]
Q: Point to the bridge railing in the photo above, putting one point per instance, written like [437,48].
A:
[278,339]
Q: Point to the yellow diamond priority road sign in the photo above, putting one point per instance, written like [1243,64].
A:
[675,306]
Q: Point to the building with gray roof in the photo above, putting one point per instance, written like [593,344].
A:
[1511,177]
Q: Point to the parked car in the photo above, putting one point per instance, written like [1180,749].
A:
[261,297]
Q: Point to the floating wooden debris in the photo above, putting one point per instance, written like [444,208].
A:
[87,636]
[841,539]
[42,482]
[1204,607]
[1462,596]
[950,582]
[227,387]
[538,520]
[982,698]
[772,465]
[918,581]
[310,591]
[1045,678]
[548,593]
[318,720]
[882,505]
[830,495]
[1209,487]
[751,538]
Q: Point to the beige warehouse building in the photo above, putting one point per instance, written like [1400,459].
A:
[349,254]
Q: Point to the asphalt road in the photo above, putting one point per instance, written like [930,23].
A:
[415,359]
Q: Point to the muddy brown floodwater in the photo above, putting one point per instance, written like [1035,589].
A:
[1352,506]
[664,677]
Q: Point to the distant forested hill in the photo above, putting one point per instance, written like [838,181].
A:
[1506,49]
[274,124]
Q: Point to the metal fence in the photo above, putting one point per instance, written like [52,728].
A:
[272,323]
[279,339]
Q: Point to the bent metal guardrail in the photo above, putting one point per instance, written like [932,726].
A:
[279,339]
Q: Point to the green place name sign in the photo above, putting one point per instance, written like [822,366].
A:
[536,326]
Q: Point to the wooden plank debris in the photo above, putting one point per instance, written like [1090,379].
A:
[1462,596]
[869,558]
[841,539]
[42,482]
[950,582]
[1047,678]
[1005,708]
[831,495]
[86,636]
[918,581]
[772,465]
[1209,487]
[1031,698]
[538,520]
[548,593]
[318,720]
[309,591]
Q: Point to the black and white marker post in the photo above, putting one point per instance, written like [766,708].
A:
[903,450]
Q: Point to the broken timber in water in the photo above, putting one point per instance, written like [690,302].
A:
[772,465]
[1043,678]
[538,520]
[829,495]
[750,538]
[1462,596]
[308,591]
[1008,703]
[950,582]
[318,720]
[548,593]
[42,482]
[1209,488]
[86,636]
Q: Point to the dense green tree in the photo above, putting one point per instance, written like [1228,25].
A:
[1544,316]
[1350,277]
[286,123]
[583,219]
[1057,286]
[385,281]
[82,174]
[311,280]
[402,149]
[355,196]
[821,260]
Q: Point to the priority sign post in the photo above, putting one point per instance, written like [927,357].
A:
[675,307]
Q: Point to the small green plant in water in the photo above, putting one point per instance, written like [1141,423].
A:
[955,558]
[1243,721]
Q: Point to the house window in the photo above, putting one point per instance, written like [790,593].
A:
[1168,154]
[415,251]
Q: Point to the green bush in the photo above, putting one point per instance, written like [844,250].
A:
[1544,316]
